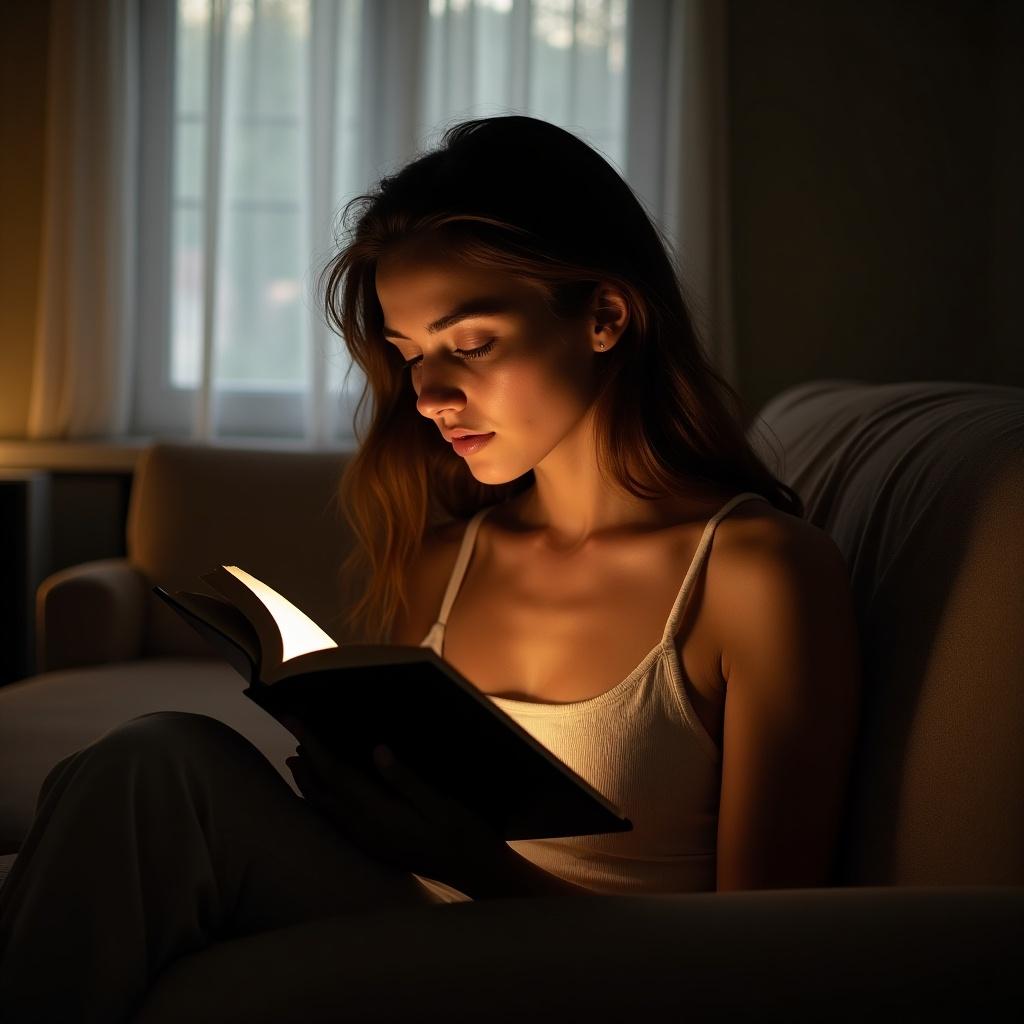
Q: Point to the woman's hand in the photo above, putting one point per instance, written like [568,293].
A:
[396,817]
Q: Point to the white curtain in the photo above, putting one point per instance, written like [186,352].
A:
[256,119]
[84,353]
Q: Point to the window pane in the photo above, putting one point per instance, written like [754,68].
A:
[261,338]
[187,297]
[557,59]
[193,42]
[265,161]
[189,153]
[551,81]
[560,60]
[261,320]
[491,53]
[597,84]
[347,120]
[267,44]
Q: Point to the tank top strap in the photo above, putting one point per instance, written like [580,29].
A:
[461,562]
[699,557]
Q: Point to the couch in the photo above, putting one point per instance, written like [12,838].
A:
[921,485]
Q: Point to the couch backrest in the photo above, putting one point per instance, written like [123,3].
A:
[273,513]
[921,485]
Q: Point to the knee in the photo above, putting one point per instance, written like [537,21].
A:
[158,741]
[173,735]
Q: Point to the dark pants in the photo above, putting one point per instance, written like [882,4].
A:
[168,833]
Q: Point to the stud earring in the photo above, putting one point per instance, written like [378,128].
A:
[600,344]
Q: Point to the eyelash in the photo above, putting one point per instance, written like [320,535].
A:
[464,353]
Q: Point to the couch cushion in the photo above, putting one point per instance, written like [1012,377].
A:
[47,717]
[838,955]
[274,513]
[921,485]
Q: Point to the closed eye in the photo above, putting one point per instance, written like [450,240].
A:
[462,353]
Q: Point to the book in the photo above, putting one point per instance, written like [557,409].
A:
[357,695]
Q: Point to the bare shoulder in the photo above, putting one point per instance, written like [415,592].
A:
[758,533]
[790,662]
[770,567]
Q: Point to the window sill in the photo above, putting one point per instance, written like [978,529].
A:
[120,454]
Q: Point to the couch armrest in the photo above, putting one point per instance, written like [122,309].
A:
[837,954]
[90,614]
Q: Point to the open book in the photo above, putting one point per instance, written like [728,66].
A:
[358,695]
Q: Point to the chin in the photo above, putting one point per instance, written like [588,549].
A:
[493,475]
[497,471]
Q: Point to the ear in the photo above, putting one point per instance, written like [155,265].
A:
[608,318]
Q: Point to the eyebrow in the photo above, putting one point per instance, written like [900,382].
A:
[487,305]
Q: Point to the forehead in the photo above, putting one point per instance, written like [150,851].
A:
[415,286]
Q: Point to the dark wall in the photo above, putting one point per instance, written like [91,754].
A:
[50,520]
[876,164]
[1008,173]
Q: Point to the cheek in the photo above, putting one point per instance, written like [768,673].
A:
[534,397]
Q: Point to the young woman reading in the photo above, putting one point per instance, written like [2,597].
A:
[552,489]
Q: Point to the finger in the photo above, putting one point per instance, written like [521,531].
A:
[370,801]
[330,766]
[349,790]
[364,822]
[319,753]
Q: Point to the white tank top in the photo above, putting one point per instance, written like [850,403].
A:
[641,745]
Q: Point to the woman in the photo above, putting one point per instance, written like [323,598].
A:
[545,459]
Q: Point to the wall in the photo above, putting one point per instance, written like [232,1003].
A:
[23,67]
[1007,193]
[48,521]
[875,164]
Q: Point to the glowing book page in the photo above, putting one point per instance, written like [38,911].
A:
[299,633]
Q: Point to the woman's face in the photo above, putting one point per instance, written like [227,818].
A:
[513,370]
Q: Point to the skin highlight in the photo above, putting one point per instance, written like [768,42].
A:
[534,386]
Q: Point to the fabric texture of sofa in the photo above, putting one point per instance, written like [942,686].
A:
[921,485]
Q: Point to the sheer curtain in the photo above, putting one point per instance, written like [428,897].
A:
[257,119]
[84,358]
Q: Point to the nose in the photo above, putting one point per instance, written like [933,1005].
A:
[436,396]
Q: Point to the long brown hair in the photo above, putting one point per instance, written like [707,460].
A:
[522,196]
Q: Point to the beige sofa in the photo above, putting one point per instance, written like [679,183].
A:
[922,487]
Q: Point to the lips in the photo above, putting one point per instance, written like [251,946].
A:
[459,433]
[471,443]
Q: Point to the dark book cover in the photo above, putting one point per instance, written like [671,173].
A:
[358,695]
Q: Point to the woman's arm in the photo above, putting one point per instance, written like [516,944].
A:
[791,661]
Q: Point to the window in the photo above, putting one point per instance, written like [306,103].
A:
[260,119]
